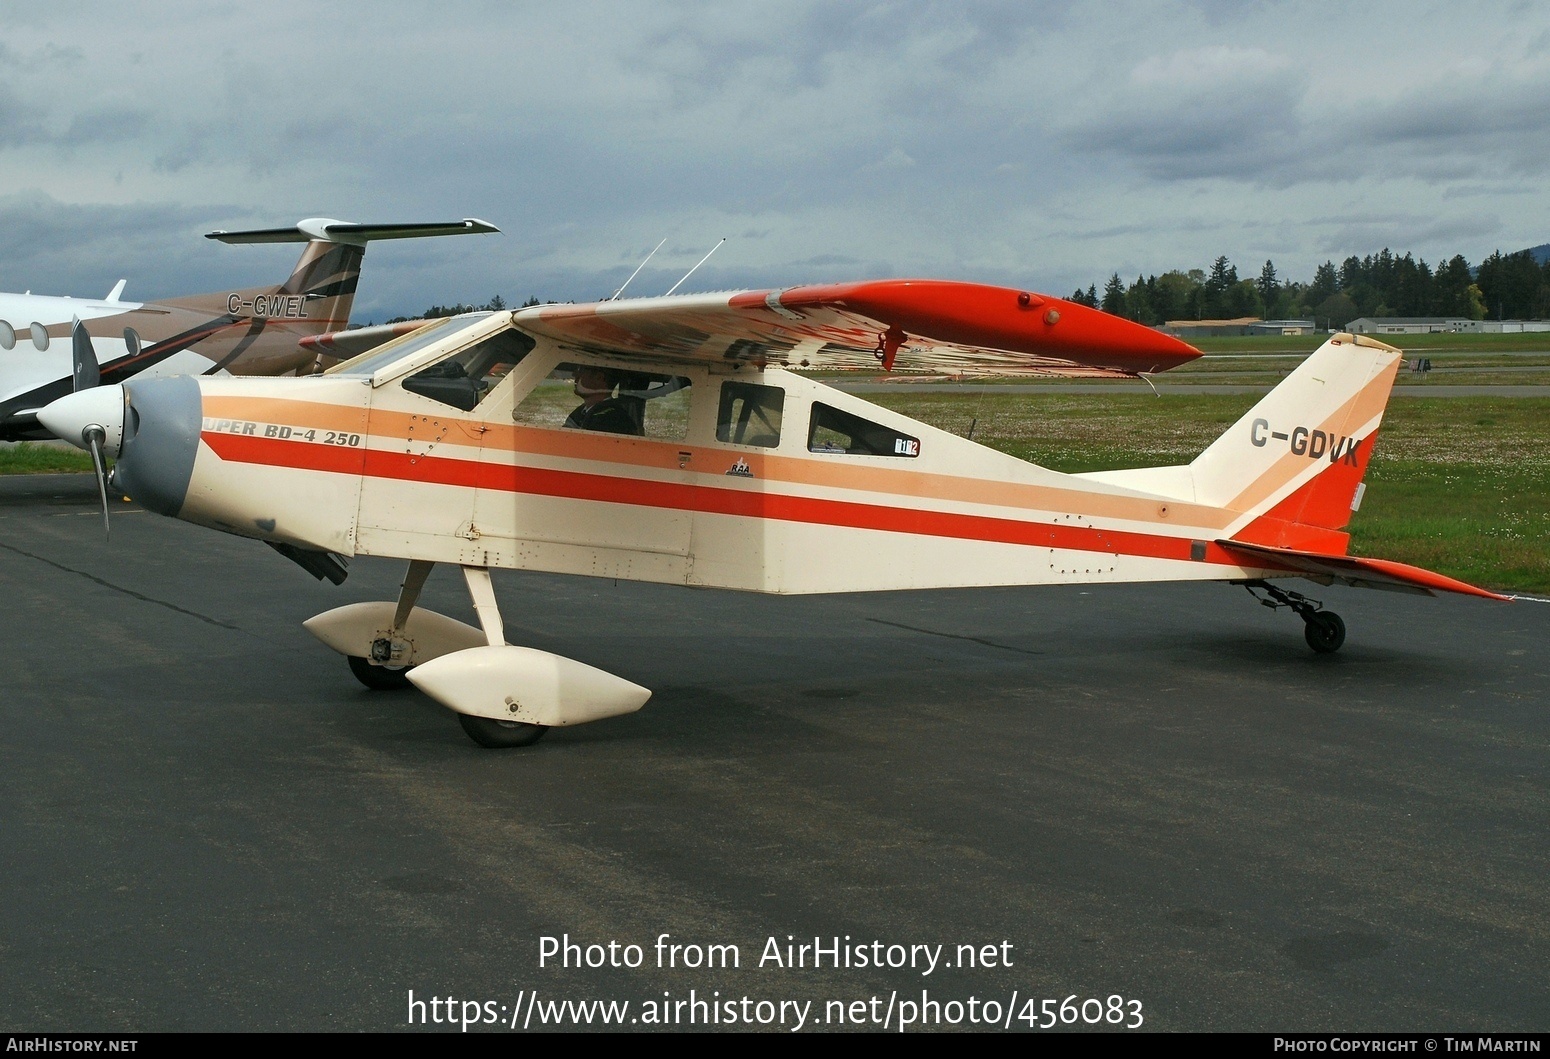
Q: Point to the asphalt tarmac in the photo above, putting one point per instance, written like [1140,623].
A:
[1113,794]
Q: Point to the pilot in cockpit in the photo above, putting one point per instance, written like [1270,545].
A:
[600,409]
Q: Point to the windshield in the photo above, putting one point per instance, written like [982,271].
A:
[373,361]
[466,379]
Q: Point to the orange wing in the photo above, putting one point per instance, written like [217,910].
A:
[922,325]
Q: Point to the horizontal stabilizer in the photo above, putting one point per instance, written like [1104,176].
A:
[1351,570]
[331,231]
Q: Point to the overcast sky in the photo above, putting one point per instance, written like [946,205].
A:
[1039,145]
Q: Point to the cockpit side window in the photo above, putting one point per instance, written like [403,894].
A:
[611,401]
[464,379]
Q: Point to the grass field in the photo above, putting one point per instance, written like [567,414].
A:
[29,458]
[1458,485]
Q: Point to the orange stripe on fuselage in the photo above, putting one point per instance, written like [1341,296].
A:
[319,414]
[576,485]
[834,472]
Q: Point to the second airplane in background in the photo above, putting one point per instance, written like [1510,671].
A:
[248,331]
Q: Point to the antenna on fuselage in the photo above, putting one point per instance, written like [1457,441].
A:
[702,261]
[638,267]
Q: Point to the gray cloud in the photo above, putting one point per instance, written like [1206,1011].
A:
[54,247]
[1475,129]
[1403,232]
[1033,144]
[19,120]
[105,124]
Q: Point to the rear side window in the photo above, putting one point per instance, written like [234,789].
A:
[750,414]
[832,430]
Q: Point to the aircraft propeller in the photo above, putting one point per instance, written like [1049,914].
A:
[83,357]
[87,376]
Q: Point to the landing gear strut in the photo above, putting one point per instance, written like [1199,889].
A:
[1323,629]
[504,696]
[488,732]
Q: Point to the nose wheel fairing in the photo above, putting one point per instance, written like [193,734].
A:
[368,631]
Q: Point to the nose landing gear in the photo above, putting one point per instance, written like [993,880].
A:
[1323,629]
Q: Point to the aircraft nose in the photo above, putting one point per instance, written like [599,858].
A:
[160,442]
[72,415]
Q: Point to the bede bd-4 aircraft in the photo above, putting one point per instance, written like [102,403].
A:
[698,456]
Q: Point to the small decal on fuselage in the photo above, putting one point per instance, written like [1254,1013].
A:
[270,306]
[279,431]
[1313,444]
[740,469]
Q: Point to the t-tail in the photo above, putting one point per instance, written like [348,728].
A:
[321,289]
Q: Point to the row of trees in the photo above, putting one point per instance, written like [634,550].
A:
[1505,287]
[494,305]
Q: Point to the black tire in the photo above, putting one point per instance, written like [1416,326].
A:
[499,735]
[1324,631]
[380,678]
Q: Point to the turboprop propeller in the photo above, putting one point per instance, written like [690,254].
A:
[83,357]
[93,413]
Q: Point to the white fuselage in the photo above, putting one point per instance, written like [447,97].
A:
[404,454]
[342,465]
[36,327]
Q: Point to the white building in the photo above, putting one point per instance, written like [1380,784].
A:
[1430,325]
[1412,325]
[1282,327]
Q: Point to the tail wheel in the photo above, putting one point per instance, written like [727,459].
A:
[379,678]
[498,735]
[1324,631]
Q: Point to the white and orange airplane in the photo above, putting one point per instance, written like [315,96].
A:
[698,456]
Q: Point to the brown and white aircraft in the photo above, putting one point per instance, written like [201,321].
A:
[697,455]
[252,331]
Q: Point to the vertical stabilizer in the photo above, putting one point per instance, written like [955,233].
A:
[321,289]
[326,278]
[1296,459]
